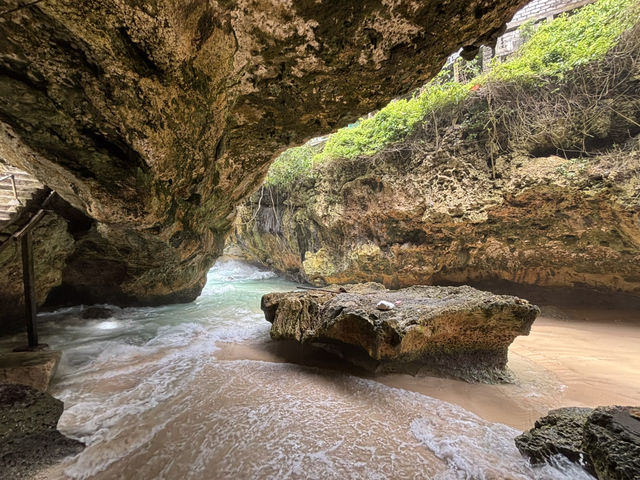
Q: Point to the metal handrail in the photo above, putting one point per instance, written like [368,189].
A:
[12,177]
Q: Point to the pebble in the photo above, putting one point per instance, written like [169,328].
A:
[384,305]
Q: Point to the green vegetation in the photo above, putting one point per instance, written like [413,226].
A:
[569,40]
[293,165]
[393,123]
[552,49]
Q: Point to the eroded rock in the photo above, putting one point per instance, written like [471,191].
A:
[97,313]
[456,331]
[156,118]
[29,440]
[612,442]
[560,432]
[605,441]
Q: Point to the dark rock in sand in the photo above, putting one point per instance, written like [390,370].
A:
[455,331]
[605,441]
[612,441]
[29,440]
[97,313]
[559,432]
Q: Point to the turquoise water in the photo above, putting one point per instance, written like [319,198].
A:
[146,393]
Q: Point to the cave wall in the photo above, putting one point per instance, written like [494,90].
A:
[551,200]
[157,117]
[52,244]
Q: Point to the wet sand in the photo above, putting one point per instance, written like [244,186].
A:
[573,357]
[152,395]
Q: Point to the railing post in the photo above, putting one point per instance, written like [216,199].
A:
[13,185]
[29,288]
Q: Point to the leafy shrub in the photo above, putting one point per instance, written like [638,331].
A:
[291,166]
[393,123]
[569,40]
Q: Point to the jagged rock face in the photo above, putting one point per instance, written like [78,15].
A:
[557,433]
[456,331]
[551,222]
[156,117]
[52,244]
[605,441]
[612,441]
[430,210]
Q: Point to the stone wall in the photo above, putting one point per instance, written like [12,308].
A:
[537,10]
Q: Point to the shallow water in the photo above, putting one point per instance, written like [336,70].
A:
[159,393]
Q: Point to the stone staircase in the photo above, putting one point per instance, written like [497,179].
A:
[27,189]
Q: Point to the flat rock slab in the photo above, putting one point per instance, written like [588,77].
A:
[455,331]
[35,369]
[29,440]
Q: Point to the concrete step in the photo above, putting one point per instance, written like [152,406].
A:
[20,185]
[34,368]
[21,193]
[26,187]
[19,190]
[11,200]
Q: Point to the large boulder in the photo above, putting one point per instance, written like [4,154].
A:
[612,442]
[29,440]
[455,331]
[157,117]
[605,441]
[558,433]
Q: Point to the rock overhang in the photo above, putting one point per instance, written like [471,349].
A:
[155,118]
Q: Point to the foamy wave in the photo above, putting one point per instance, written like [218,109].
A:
[236,270]
[251,419]
[478,450]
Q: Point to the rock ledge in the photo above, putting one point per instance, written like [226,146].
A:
[29,440]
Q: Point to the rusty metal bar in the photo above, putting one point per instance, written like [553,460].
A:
[29,226]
